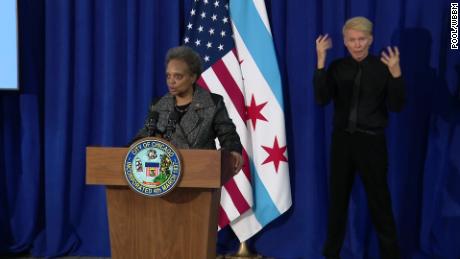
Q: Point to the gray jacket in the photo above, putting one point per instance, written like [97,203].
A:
[206,119]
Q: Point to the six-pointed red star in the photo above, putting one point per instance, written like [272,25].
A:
[275,154]
[253,112]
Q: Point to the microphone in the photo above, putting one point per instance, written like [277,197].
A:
[171,126]
[150,127]
[151,123]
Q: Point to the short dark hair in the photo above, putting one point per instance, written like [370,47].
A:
[188,55]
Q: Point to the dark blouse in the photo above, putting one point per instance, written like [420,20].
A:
[379,92]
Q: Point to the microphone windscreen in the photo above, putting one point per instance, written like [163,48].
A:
[154,116]
[151,124]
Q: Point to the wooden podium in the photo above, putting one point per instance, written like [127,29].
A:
[182,224]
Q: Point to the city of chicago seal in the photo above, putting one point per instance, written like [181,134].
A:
[152,167]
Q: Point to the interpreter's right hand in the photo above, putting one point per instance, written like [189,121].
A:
[323,43]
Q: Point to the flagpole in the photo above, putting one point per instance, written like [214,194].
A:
[243,253]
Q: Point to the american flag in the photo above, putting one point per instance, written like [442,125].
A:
[209,32]
[261,191]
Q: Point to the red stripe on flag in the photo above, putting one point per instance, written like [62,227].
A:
[245,168]
[234,193]
[233,91]
[237,197]
[202,83]
[223,218]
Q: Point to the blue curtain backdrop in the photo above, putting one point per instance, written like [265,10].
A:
[90,68]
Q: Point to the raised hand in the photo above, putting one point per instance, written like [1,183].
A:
[391,60]
[323,43]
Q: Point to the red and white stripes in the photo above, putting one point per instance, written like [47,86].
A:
[224,78]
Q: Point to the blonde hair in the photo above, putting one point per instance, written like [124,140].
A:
[358,23]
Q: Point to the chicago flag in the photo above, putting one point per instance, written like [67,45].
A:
[234,39]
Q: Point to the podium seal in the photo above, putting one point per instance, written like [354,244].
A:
[152,167]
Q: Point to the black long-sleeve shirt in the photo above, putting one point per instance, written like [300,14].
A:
[379,92]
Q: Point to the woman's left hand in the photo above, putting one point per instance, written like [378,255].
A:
[237,161]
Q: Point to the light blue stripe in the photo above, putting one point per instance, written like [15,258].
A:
[259,42]
[264,209]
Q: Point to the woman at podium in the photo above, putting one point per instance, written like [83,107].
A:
[189,116]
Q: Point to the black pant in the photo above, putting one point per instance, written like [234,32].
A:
[366,154]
